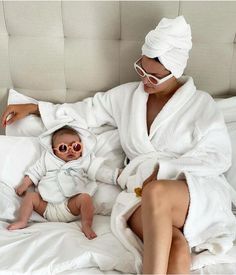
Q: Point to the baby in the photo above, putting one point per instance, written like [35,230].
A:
[64,189]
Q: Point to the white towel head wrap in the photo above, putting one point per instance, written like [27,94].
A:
[170,42]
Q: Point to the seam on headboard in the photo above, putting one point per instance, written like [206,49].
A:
[179,7]
[120,44]
[64,58]
[231,67]
[3,7]
[8,48]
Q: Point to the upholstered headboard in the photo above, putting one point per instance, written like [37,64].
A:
[67,50]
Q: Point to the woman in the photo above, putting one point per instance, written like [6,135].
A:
[166,117]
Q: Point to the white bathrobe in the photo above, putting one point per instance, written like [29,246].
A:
[57,180]
[188,139]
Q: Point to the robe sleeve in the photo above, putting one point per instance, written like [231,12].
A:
[37,171]
[101,171]
[212,154]
[91,112]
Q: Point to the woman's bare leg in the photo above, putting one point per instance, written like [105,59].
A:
[83,204]
[31,201]
[164,204]
[179,259]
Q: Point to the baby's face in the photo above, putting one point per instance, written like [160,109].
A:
[68,140]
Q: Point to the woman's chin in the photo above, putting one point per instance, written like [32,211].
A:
[149,90]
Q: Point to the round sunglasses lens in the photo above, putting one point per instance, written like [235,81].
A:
[62,148]
[77,147]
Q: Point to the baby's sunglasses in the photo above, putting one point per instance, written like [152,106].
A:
[64,148]
[153,79]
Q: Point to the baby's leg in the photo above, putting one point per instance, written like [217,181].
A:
[82,204]
[31,201]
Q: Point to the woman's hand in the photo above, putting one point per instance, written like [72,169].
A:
[151,178]
[22,188]
[16,112]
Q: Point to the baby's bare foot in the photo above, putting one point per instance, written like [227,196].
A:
[88,232]
[17,225]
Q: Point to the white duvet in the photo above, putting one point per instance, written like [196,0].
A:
[51,248]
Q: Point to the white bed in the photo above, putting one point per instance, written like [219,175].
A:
[63,51]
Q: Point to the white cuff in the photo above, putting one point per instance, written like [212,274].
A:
[166,170]
[107,175]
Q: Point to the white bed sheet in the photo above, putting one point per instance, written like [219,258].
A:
[219,269]
[56,248]
[61,248]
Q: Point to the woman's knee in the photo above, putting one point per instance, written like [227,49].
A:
[155,194]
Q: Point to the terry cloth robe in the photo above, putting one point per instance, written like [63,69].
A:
[189,140]
[57,180]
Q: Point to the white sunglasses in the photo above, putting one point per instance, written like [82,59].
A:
[153,79]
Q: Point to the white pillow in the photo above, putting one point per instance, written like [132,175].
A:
[17,154]
[28,126]
[105,198]
[231,173]
[228,108]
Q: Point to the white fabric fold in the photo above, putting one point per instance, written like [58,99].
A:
[170,41]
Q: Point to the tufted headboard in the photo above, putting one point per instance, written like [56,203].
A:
[63,51]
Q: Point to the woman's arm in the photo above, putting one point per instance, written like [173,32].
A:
[93,111]
[16,112]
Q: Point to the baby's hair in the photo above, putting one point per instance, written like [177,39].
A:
[64,130]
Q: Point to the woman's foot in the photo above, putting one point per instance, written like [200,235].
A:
[17,225]
[88,232]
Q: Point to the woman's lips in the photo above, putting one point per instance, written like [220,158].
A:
[147,86]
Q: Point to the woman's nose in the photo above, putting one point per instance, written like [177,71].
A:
[145,80]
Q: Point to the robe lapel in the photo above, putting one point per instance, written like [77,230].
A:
[138,135]
[176,102]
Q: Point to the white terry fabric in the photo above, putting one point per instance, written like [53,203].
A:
[56,179]
[170,41]
[190,140]
[58,212]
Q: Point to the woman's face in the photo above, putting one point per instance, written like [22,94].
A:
[156,69]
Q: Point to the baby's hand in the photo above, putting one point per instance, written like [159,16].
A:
[22,188]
